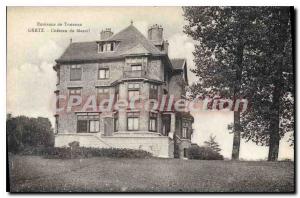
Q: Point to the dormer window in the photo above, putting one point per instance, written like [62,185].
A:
[106,47]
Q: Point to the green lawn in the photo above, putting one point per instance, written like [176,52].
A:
[33,173]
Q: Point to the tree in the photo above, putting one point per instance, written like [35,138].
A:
[271,82]
[247,52]
[212,144]
[23,131]
[223,35]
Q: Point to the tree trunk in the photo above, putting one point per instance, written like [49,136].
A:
[277,95]
[236,137]
[274,125]
[274,137]
[236,114]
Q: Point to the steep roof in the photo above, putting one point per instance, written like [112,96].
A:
[129,41]
[178,63]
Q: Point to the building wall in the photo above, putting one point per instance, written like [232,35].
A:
[184,144]
[159,146]
[155,69]
[89,81]
[176,87]
[67,121]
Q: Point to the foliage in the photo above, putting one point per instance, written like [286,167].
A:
[224,35]
[23,131]
[246,52]
[203,153]
[211,143]
[84,152]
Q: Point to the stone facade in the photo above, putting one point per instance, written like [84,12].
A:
[111,129]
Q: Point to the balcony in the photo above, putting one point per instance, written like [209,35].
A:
[134,74]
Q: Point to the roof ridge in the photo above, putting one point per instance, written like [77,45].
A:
[82,42]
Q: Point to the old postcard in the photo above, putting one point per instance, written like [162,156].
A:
[150,99]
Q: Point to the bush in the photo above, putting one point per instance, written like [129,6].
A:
[73,152]
[25,132]
[203,153]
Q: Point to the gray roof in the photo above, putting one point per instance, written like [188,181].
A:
[130,41]
[178,63]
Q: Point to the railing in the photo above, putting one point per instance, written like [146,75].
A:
[134,74]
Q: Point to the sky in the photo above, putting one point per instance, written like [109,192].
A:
[31,56]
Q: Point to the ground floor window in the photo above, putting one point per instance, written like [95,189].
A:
[56,124]
[94,126]
[88,123]
[185,126]
[153,121]
[184,132]
[133,119]
[185,152]
[116,122]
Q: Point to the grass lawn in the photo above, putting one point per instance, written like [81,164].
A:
[33,173]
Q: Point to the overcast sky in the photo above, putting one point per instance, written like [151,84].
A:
[31,79]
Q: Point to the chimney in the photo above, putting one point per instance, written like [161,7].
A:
[155,34]
[105,34]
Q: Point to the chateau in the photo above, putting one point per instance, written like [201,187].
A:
[125,66]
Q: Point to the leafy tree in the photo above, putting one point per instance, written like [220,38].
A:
[224,34]
[271,83]
[246,52]
[211,143]
[23,131]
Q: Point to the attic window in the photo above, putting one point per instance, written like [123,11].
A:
[106,47]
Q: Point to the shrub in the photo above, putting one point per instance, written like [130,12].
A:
[83,152]
[24,132]
[203,153]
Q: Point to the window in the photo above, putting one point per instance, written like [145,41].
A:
[185,129]
[94,126]
[88,123]
[75,72]
[133,86]
[153,91]
[75,91]
[185,152]
[102,93]
[116,93]
[133,90]
[133,121]
[82,126]
[136,67]
[56,124]
[116,122]
[103,73]
[106,47]
[184,132]
[133,94]
[57,99]
[153,121]
[58,76]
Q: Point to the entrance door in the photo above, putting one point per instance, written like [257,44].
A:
[166,124]
[108,126]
